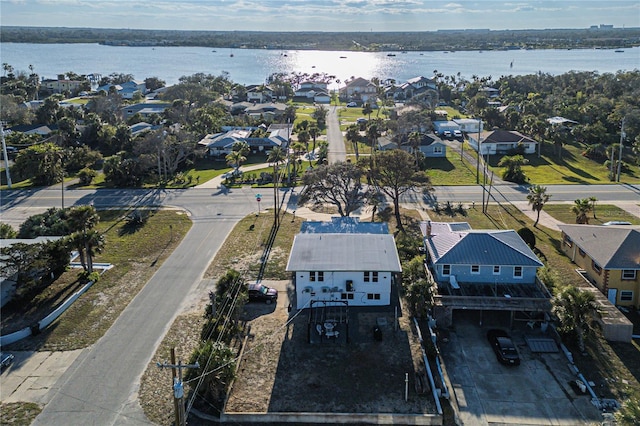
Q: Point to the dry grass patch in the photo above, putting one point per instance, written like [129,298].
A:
[19,413]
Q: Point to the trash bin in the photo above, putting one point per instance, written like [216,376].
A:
[377,333]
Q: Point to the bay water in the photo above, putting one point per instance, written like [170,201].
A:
[253,66]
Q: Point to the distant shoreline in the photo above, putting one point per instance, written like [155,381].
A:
[426,41]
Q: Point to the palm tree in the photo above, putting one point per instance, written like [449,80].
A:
[593,205]
[314,131]
[581,208]
[575,308]
[82,221]
[414,141]
[513,165]
[353,136]
[276,156]
[235,159]
[372,135]
[537,199]
[94,243]
[367,110]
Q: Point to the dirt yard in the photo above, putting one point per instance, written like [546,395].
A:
[281,372]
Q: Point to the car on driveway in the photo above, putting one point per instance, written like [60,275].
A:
[352,104]
[457,134]
[262,293]
[502,345]
[447,134]
[5,360]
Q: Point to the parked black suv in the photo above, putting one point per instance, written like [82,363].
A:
[262,293]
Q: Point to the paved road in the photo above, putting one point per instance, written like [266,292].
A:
[335,140]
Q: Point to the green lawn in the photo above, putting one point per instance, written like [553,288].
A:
[604,213]
[451,170]
[572,168]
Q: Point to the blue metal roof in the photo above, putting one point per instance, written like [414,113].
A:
[446,245]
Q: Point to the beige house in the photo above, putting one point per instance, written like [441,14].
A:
[610,258]
[359,89]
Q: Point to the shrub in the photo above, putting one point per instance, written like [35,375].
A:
[86,176]
[528,236]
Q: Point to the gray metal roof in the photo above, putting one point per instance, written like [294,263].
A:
[458,244]
[344,252]
[611,247]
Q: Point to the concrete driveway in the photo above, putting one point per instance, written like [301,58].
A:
[535,393]
[32,374]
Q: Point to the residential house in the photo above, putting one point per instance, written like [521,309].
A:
[502,142]
[343,262]
[142,127]
[482,270]
[127,90]
[259,93]
[359,89]
[145,109]
[468,125]
[315,91]
[221,144]
[418,88]
[439,127]
[33,129]
[267,111]
[62,85]
[430,146]
[491,92]
[609,257]
[386,143]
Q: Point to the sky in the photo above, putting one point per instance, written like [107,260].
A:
[319,15]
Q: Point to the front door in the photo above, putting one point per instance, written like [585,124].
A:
[612,295]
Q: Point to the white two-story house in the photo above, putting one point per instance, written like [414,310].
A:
[343,261]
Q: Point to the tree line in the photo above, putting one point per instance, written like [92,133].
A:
[314,40]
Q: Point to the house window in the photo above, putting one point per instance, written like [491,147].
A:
[346,296]
[517,272]
[596,268]
[370,277]
[582,253]
[475,269]
[446,270]
[629,274]
[373,296]
[496,269]
[437,149]
[567,240]
[626,296]
[316,276]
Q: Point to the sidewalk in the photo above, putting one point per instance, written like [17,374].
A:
[217,181]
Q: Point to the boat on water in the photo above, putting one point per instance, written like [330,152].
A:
[391,54]
[619,51]
[343,57]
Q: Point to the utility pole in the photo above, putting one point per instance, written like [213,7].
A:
[622,136]
[478,157]
[178,390]
[6,156]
